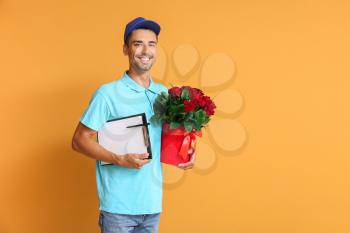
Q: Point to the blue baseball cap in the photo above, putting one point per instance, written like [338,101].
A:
[140,22]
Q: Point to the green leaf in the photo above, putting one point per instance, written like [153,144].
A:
[154,119]
[200,118]
[160,107]
[175,108]
[197,125]
[185,94]
[174,125]
[198,115]
[198,128]
[188,126]
[189,116]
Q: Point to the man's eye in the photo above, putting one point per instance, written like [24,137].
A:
[137,44]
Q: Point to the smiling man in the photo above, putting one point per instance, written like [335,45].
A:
[130,190]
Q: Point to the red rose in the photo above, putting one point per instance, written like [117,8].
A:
[201,102]
[209,106]
[189,105]
[209,111]
[196,94]
[175,91]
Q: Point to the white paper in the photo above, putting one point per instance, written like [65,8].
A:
[117,138]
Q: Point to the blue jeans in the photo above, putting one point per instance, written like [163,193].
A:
[125,223]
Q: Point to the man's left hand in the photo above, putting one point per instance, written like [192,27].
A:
[192,154]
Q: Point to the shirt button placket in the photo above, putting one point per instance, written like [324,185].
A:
[150,103]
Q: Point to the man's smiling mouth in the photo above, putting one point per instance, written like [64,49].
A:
[144,59]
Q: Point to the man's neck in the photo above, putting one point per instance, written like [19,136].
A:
[142,79]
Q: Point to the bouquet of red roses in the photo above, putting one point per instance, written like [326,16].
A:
[183,111]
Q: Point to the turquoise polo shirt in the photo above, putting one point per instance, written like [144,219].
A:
[127,190]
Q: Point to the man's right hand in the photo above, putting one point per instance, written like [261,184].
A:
[132,160]
[84,143]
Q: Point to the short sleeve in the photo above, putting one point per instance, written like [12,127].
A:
[96,114]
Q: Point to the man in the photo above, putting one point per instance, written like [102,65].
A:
[130,190]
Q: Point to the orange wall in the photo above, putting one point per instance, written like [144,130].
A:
[288,174]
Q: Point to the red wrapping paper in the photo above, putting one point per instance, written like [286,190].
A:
[176,144]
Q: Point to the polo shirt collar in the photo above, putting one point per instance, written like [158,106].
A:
[129,82]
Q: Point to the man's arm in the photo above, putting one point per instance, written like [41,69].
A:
[84,143]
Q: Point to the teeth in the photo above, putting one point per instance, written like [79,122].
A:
[144,59]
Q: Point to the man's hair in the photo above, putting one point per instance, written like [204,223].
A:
[128,38]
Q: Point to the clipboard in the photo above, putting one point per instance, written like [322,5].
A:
[125,135]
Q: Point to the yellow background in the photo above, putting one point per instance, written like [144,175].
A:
[292,62]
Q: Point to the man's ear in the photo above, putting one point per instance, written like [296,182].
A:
[125,49]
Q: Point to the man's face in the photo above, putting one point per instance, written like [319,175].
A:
[141,49]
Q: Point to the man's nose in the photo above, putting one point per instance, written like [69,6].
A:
[145,49]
